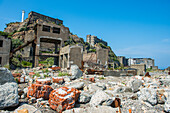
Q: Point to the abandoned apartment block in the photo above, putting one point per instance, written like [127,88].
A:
[48,33]
[5,45]
[92,40]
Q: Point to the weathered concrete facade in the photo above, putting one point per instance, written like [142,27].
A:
[102,56]
[46,32]
[123,61]
[147,61]
[5,46]
[94,40]
[71,55]
[141,68]
[98,58]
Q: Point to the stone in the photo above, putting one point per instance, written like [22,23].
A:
[22,111]
[122,90]
[9,95]
[99,109]
[39,91]
[63,98]
[46,81]
[59,80]
[78,85]
[84,97]
[76,72]
[98,98]
[31,109]
[167,106]
[148,95]
[135,84]
[5,76]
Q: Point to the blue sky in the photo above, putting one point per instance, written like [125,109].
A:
[133,28]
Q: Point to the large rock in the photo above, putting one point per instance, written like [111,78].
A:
[5,76]
[76,72]
[99,109]
[8,89]
[9,95]
[78,85]
[135,84]
[99,97]
[122,89]
[148,95]
[84,97]
[31,109]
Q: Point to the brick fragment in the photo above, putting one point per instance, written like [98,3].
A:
[63,98]
[39,91]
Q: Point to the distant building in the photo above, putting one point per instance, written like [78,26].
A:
[5,46]
[92,40]
[147,61]
[123,60]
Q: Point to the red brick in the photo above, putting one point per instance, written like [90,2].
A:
[39,91]
[63,98]
[58,80]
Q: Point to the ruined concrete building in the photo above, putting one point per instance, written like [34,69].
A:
[92,40]
[147,61]
[5,45]
[100,57]
[42,33]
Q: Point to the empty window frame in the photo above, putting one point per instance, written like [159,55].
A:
[56,30]
[46,28]
[1,43]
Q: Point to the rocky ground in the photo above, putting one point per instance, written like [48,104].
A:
[48,90]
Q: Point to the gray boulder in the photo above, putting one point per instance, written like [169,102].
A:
[8,89]
[148,95]
[99,98]
[9,95]
[135,84]
[84,97]
[78,85]
[5,76]
[122,90]
[76,72]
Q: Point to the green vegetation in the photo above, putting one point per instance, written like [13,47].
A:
[102,45]
[46,76]
[26,64]
[63,74]
[148,69]
[45,71]
[16,79]
[48,62]
[16,43]
[36,74]
[101,78]
[92,50]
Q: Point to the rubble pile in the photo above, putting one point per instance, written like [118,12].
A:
[52,91]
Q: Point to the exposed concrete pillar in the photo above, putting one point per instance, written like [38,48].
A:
[37,52]
[56,59]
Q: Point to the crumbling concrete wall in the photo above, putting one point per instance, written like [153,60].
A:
[4,50]
[71,55]
[141,68]
[102,56]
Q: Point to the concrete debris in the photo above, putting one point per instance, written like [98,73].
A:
[59,92]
